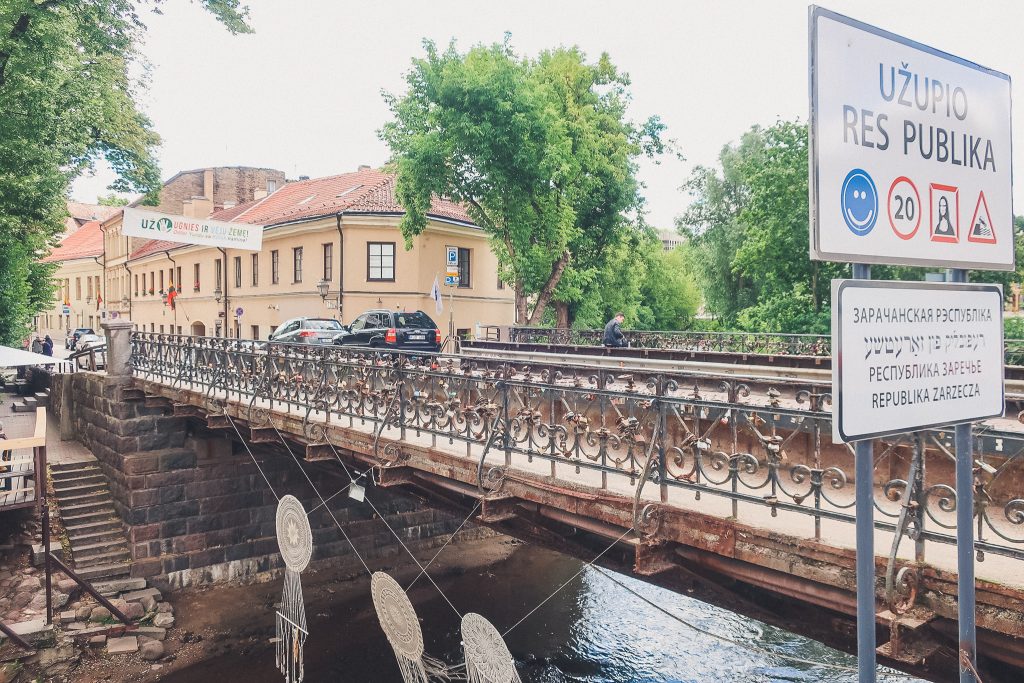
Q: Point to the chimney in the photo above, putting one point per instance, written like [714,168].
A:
[364,167]
[208,183]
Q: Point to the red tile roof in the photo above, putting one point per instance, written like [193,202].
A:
[154,247]
[365,192]
[369,191]
[91,212]
[85,242]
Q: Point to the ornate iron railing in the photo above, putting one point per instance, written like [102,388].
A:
[725,342]
[687,436]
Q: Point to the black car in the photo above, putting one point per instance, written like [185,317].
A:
[392,330]
[72,341]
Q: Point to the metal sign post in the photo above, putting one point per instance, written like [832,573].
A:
[864,497]
[968,638]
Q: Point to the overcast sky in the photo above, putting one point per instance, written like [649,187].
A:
[303,93]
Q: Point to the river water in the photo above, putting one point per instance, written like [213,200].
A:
[592,631]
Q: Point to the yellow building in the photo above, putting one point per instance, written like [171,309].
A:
[79,300]
[336,235]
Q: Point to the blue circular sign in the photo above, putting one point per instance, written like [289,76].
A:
[859,202]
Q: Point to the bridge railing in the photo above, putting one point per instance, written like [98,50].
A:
[724,342]
[682,437]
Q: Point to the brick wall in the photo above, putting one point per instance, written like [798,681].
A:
[230,184]
[195,508]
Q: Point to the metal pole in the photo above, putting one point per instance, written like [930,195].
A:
[965,538]
[41,476]
[865,515]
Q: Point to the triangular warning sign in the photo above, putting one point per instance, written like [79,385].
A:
[982,229]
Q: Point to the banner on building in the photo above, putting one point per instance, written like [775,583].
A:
[201,231]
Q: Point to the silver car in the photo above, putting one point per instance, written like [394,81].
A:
[307,331]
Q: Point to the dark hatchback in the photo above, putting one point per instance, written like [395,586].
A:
[412,331]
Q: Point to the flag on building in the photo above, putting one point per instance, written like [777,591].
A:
[435,294]
[99,300]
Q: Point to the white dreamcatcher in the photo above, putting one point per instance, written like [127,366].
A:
[295,539]
[402,627]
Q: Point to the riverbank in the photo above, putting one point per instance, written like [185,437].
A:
[224,622]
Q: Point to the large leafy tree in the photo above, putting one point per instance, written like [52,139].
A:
[67,100]
[539,150]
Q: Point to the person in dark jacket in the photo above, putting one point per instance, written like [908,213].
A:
[47,346]
[613,331]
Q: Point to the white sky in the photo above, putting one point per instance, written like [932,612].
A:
[303,93]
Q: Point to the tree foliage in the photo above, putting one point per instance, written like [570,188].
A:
[112,199]
[540,150]
[748,228]
[66,101]
[656,289]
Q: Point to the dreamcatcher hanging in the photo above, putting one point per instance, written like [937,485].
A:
[402,627]
[487,657]
[295,539]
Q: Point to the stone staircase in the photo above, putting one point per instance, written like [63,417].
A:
[28,404]
[98,544]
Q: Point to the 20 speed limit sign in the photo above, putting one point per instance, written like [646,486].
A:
[904,208]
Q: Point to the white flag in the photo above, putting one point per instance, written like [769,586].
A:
[435,294]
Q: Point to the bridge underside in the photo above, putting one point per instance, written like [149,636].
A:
[772,575]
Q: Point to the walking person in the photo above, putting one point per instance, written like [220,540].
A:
[47,346]
[613,336]
[37,346]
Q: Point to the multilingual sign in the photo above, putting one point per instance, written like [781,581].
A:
[162,226]
[911,355]
[910,152]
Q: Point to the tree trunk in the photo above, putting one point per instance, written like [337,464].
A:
[562,315]
[548,290]
[521,312]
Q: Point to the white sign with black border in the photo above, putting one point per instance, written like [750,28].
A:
[913,355]
[910,151]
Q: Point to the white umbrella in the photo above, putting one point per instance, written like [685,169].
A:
[11,358]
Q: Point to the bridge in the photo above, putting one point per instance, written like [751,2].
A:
[732,479]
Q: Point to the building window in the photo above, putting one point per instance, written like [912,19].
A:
[218,272]
[195,277]
[255,271]
[297,264]
[464,269]
[501,283]
[275,267]
[161,280]
[380,261]
[177,279]
[328,261]
[88,290]
[271,186]
[136,276]
[238,271]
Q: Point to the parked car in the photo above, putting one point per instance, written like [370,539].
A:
[90,341]
[71,342]
[392,330]
[307,331]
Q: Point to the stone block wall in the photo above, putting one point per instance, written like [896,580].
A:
[197,510]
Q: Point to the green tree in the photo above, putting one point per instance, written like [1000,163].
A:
[112,199]
[656,289]
[538,149]
[66,101]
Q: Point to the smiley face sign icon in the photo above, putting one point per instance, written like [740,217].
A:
[859,202]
